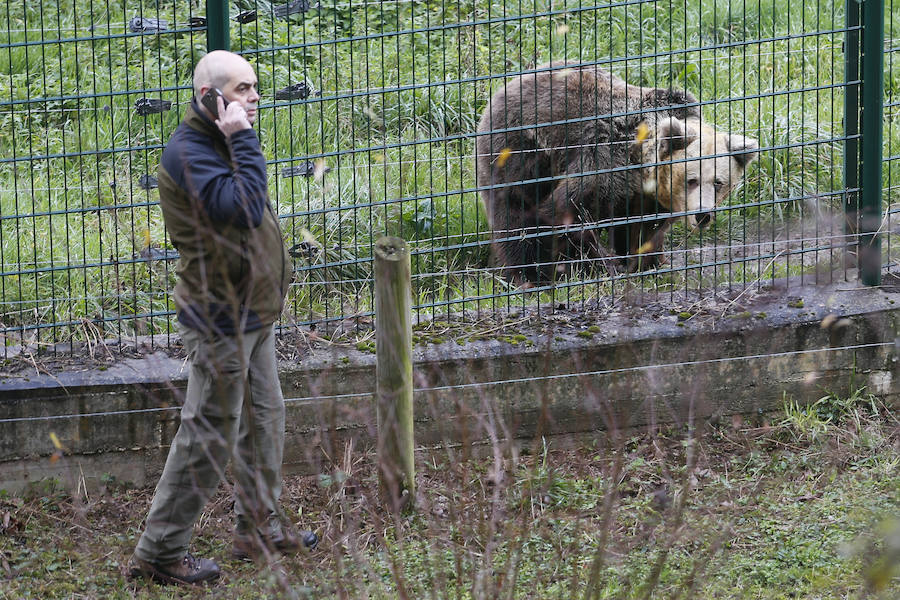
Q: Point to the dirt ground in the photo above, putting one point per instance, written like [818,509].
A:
[800,505]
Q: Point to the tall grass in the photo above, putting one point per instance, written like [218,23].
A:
[400,86]
[798,505]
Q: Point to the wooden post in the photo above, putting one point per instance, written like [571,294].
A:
[394,382]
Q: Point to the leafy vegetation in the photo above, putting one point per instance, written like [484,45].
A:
[802,505]
[398,89]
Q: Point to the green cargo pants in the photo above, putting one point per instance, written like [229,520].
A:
[233,409]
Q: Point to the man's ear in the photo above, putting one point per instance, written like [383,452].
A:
[672,135]
[743,149]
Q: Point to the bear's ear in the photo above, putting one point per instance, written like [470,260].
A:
[673,135]
[743,148]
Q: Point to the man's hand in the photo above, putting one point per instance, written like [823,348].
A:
[233,118]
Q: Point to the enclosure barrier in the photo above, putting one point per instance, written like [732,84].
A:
[369,121]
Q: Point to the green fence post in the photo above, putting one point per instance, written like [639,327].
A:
[217,34]
[871,139]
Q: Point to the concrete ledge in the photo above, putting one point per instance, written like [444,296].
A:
[567,373]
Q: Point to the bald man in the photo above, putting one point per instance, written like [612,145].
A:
[233,275]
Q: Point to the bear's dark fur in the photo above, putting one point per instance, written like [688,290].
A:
[558,148]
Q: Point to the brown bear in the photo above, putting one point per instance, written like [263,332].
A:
[569,151]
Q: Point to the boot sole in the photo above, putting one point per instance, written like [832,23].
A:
[241,554]
[158,576]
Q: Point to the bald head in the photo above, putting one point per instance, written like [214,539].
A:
[231,75]
[217,68]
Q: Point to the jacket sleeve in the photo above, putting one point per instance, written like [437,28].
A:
[235,193]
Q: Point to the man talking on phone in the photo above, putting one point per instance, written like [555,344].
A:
[233,275]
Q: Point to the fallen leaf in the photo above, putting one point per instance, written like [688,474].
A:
[320,169]
[645,248]
[643,132]
[503,157]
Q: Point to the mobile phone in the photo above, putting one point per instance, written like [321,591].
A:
[209,101]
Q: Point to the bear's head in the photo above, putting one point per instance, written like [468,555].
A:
[693,167]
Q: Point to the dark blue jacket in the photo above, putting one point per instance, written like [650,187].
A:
[233,269]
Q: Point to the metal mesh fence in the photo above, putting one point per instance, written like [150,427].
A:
[891,182]
[369,121]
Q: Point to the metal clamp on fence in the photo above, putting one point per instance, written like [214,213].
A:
[297,91]
[283,11]
[151,106]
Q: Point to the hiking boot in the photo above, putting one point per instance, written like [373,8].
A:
[250,544]
[187,571]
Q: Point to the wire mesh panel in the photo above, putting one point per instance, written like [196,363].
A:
[91,92]
[380,138]
[369,120]
[891,173]
[373,108]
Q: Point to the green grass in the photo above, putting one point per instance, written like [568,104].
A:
[805,505]
[402,86]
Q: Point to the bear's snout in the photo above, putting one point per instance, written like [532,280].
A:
[703,219]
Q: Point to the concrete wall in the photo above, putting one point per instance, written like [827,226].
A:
[570,373]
